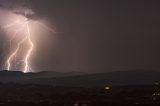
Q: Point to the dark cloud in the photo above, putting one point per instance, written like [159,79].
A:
[20,7]
[13,4]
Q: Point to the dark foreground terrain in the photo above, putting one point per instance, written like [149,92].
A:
[30,94]
[121,88]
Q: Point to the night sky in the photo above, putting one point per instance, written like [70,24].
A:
[98,35]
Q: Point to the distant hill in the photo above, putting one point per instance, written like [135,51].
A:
[133,77]
[20,77]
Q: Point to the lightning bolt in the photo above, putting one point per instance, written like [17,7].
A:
[10,25]
[27,66]
[14,54]
[17,27]
[46,27]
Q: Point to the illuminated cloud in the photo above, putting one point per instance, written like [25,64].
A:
[22,29]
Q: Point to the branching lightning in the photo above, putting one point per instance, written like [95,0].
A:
[14,54]
[22,28]
[27,66]
[46,27]
[22,32]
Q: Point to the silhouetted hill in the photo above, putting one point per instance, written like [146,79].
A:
[134,77]
[20,77]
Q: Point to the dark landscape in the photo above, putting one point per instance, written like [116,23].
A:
[136,87]
[80,52]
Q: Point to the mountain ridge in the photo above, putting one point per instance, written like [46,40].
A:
[136,77]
